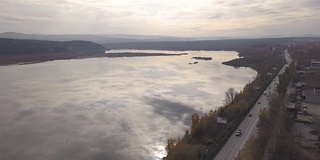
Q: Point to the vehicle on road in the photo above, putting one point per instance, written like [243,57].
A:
[259,102]
[238,132]
[250,115]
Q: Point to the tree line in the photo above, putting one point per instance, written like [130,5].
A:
[205,136]
[23,47]
[274,140]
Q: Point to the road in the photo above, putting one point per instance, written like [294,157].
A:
[249,124]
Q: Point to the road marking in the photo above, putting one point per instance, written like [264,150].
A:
[261,98]
[281,71]
[246,138]
[249,133]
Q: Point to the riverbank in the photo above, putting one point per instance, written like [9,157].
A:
[39,58]
[14,51]
[205,137]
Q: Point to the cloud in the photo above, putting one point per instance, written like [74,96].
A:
[217,16]
[173,111]
[167,17]
[62,133]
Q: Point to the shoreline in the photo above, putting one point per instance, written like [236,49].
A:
[41,58]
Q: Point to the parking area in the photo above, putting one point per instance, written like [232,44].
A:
[313,109]
[306,128]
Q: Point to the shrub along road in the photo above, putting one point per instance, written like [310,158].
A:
[248,125]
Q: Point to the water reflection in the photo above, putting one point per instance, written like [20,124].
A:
[108,108]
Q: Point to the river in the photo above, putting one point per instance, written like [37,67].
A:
[109,108]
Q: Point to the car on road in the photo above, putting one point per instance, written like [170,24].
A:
[238,132]
[250,115]
[259,102]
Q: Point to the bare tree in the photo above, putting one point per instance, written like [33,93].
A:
[229,95]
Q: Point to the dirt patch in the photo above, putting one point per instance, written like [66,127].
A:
[312,108]
[315,132]
[302,130]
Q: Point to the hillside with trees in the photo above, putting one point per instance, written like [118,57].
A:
[14,46]
[205,136]
[276,139]
[244,45]
[18,51]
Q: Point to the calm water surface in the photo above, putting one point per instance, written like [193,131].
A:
[108,108]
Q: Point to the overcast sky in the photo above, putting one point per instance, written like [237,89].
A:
[185,18]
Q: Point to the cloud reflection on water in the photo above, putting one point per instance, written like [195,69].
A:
[101,108]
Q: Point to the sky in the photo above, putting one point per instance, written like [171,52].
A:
[182,18]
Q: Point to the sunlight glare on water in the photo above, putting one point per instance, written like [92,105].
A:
[109,108]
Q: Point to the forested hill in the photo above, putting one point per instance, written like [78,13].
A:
[22,47]
[15,51]
[229,44]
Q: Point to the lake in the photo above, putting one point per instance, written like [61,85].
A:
[109,108]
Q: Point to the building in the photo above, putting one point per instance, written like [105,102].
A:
[314,65]
[312,95]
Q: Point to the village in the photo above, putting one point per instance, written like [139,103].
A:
[304,95]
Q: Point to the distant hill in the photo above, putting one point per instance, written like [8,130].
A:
[24,50]
[15,51]
[17,47]
[123,38]
[229,44]
[103,38]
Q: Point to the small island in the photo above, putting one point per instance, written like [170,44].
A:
[17,51]
[203,58]
[139,54]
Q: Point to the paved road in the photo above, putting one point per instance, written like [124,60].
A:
[248,125]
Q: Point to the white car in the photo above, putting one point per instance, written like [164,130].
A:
[238,132]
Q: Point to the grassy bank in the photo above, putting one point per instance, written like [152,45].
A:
[205,137]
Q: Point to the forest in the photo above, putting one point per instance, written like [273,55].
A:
[205,136]
[13,51]
[210,45]
[16,47]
